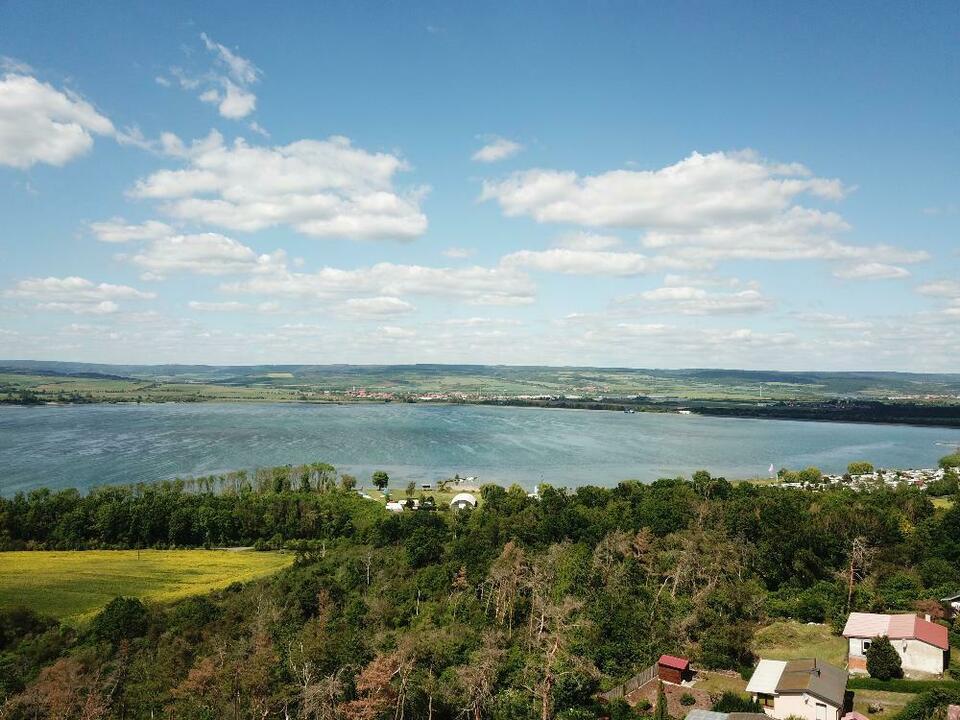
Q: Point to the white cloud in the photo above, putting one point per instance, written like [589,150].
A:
[377,307]
[871,271]
[75,294]
[118,230]
[204,254]
[40,124]
[941,288]
[322,188]
[239,68]
[689,300]
[497,149]
[582,262]
[700,210]
[392,331]
[229,306]
[587,241]
[227,85]
[473,285]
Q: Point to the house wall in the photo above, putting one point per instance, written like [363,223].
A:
[915,656]
[801,705]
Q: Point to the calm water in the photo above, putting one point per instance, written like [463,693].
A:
[88,445]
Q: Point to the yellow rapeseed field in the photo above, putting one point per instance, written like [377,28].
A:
[73,585]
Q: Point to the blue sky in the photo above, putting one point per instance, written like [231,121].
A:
[759,185]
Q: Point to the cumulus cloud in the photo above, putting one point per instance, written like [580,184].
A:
[689,300]
[496,149]
[587,241]
[377,307]
[203,254]
[321,188]
[229,306]
[118,230]
[871,271]
[473,285]
[75,294]
[41,124]
[226,85]
[582,262]
[700,210]
[941,288]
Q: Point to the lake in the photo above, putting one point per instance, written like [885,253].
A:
[86,445]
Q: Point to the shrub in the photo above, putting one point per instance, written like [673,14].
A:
[122,619]
[731,702]
[883,662]
[687,699]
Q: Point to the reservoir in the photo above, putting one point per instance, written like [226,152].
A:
[87,445]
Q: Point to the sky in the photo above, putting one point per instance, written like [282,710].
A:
[762,185]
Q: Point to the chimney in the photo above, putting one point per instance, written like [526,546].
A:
[927,617]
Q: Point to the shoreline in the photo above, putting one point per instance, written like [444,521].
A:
[839,411]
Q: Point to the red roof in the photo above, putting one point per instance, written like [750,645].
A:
[671,661]
[897,627]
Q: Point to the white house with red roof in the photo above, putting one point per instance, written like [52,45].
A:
[923,646]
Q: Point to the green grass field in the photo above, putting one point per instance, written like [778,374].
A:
[787,640]
[72,586]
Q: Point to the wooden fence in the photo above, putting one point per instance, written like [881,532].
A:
[641,678]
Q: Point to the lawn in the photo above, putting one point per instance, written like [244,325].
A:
[788,640]
[891,702]
[74,585]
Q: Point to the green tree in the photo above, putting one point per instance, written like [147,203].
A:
[411,488]
[883,662]
[860,468]
[122,619]
[660,711]
[380,480]
[950,461]
[348,482]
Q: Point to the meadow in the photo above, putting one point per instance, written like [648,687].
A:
[73,585]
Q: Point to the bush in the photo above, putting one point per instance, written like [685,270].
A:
[926,705]
[687,699]
[883,662]
[122,619]
[731,702]
[950,461]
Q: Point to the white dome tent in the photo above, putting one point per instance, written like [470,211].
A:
[463,500]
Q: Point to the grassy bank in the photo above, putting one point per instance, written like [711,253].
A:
[74,585]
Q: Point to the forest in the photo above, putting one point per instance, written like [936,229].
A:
[525,607]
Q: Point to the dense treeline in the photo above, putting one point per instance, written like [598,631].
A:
[523,608]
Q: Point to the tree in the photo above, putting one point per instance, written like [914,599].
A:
[660,711]
[380,480]
[122,619]
[860,468]
[348,482]
[810,476]
[950,461]
[883,662]
[411,488]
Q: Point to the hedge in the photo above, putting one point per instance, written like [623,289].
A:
[902,685]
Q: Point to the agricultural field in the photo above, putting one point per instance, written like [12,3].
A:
[73,585]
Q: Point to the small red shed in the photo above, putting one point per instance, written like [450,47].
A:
[673,669]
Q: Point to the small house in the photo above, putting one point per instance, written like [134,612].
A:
[673,669]
[807,688]
[394,506]
[923,646]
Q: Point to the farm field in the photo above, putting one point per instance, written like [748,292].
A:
[73,585]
